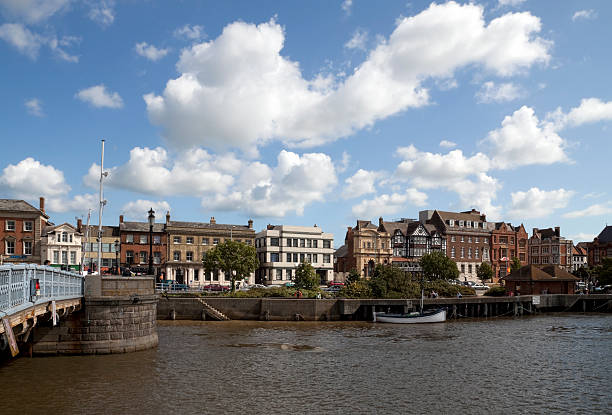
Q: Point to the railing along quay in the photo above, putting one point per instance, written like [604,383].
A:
[18,284]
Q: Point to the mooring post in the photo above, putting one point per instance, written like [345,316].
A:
[486,306]
[454,310]
[516,309]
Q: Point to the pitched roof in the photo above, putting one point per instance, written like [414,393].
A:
[140,227]
[605,235]
[20,206]
[474,215]
[365,224]
[547,233]
[533,273]
[341,252]
[207,225]
[578,250]
[48,229]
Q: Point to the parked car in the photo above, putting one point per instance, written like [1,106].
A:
[333,289]
[289,284]
[216,287]
[335,284]
[479,286]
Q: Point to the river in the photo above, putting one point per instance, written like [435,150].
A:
[555,363]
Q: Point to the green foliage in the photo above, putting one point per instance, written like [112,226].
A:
[280,292]
[436,266]
[236,259]
[444,289]
[391,282]
[496,292]
[356,289]
[353,276]
[305,277]
[604,271]
[515,265]
[485,272]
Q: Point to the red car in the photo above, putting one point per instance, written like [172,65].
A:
[216,287]
[335,284]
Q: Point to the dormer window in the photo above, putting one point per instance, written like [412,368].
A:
[451,222]
[64,236]
[461,223]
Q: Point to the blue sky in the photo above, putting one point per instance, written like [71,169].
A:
[310,112]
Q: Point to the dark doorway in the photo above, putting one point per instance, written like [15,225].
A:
[180,276]
[322,274]
[370,268]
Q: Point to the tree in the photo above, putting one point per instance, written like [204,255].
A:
[236,259]
[437,266]
[305,277]
[604,271]
[484,272]
[353,276]
[391,282]
[515,265]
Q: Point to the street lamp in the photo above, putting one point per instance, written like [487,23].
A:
[117,268]
[151,223]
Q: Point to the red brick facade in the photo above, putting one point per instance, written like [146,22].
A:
[21,226]
[507,242]
[134,237]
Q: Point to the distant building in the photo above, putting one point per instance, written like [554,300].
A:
[188,242]
[365,246]
[62,245]
[281,249]
[601,247]
[579,257]
[21,226]
[110,239]
[533,280]
[410,240]
[467,238]
[134,246]
[548,247]
[507,242]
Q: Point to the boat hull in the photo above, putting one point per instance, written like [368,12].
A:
[437,316]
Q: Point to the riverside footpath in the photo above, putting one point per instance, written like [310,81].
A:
[289,309]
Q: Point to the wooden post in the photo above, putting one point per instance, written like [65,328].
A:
[454,310]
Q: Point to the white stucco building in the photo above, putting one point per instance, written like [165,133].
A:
[281,248]
[61,245]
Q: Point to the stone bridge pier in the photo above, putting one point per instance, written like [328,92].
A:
[118,316]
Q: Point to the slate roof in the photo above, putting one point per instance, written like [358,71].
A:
[548,233]
[206,225]
[140,227]
[365,224]
[533,273]
[605,235]
[19,205]
[341,252]
[460,215]
[48,229]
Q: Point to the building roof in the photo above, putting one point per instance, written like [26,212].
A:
[579,250]
[140,227]
[365,224]
[206,225]
[49,229]
[533,273]
[19,206]
[473,215]
[341,252]
[548,233]
[605,235]
[107,231]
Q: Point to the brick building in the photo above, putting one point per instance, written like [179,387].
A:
[601,247]
[21,226]
[110,257]
[189,241]
[134,240]
[507,242]
[365,246]
[548,247]
[579,257]
[533,280]
[467,238]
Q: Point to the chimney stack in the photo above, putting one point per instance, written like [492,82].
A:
[79,225]
[167,217]
[120,218]
[212,220]
[270,227]
[42,204]
[250,223]
[558,231]
[380,221]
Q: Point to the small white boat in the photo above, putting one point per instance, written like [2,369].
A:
[429,316]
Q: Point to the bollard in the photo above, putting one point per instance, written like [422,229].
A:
[173,314]
[203,315]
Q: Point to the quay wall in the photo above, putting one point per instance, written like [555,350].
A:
[284,309]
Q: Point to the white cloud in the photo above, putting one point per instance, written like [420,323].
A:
[32,11]
[220,101]
[590,110]
[361,183]
[139,210]
[598,209]
[504,92]
[584,15]
[582,237]
[524,140]
[389,204]
[150,52]
[99,97]
[29,179]
[447,144]
[358,41]
[511,2]
[34,107]
[347,5]
[29,43]
[536,203]
[151,171]
[190,32]
[294,183]
[344,163]
[102,12]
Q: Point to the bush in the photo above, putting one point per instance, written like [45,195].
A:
[357,289]
[278,292]
[496,292]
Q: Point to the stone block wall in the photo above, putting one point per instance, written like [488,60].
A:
[105,325]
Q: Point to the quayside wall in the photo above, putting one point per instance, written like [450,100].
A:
[284,309]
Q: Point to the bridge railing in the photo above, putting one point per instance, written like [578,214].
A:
[54,285]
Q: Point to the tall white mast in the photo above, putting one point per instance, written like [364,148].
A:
[86,241]
[103,174]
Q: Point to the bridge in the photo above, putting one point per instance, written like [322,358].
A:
[31,292]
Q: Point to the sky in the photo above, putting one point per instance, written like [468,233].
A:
[313,112]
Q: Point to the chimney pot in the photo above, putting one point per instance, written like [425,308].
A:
[212,220]
[250,224]
[79,225]
[120,218]
[167,217]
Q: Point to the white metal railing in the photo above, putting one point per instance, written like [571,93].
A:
[54,285]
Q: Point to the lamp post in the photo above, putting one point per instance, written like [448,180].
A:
[151,222]
[117,267]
